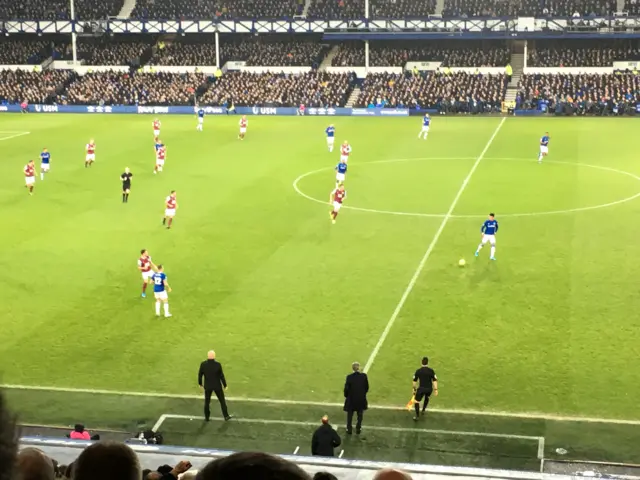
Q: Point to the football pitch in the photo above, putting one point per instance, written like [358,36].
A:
[534,352]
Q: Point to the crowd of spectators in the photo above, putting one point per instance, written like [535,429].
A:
[117,88]
[313,89]
[336,9]
[263,51]
[401,8]
[448,92]
[632,7]
[58,9]
[222,9]
[266,51]
[456,54]
[583,54]
[23,52]
[614,93]
[31,86]
[512,8]
[108,52]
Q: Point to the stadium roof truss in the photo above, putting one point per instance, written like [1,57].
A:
[357,29]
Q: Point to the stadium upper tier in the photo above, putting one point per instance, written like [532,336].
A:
[323,9]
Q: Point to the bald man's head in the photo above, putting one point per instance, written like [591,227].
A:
[390,474]
[211,354]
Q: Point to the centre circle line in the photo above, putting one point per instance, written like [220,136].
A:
[442,215]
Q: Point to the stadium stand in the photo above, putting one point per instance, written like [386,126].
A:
[223,9]
[109,52]
[263,51]
[58,9]
[34,87]
[314,89]
[23,52]
[336,9]
[499,8]
[582,93]
[459,54]
[402,8]
[116,88]
[585,54]
[449,93]
[632,7]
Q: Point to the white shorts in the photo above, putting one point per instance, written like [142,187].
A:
[331,140]
[30,180]
[156,133]
[159,162]
[489,238]
[170,212]
[200,120]
[243,130]
[147,275]
[544,149]
[344,158]
[340,177]
[44,167]
[161,295]
[336,206]
[425,128]
[91,157]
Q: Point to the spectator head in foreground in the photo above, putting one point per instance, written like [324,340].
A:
[246,465]
[324,476]
[8,441]
[390,474]
[33,464]
[106,461]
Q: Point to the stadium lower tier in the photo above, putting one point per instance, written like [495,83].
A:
[446,92]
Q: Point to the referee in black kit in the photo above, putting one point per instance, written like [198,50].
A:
[214,382]
[425,383]
[126,184]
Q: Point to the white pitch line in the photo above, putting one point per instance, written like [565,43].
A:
[308,403]
[430,248]
[21,134]
[541,449]
[295,452]
[265,421]
[158,424]
[341,454]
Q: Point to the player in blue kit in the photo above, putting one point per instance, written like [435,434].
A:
[330,132]
[341,172]
[426,122]
[544,147]
[160,290]
[45,158]
[200,115]
[489,229]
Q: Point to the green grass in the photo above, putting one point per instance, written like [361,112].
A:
[289,301]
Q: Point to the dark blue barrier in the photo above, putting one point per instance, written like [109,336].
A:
[161,110]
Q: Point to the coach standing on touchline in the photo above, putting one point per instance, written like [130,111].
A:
[214,382]
[356,388]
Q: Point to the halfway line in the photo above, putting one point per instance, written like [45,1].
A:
[21,134]
[430,248]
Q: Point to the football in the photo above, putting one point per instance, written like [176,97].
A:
[461,262]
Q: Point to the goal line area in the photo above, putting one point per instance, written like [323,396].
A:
[416,444]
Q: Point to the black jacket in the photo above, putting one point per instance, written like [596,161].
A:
[355,392]
[324,440]
[214,379]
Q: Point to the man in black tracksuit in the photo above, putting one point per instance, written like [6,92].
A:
[425,383]
[214,382]
[324,439]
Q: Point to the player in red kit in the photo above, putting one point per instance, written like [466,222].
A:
[170,207]
[30,176]
[243,127]
[161,154]
[336,198]
[345,151]
[147,268]
[156,128]
[91,153]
